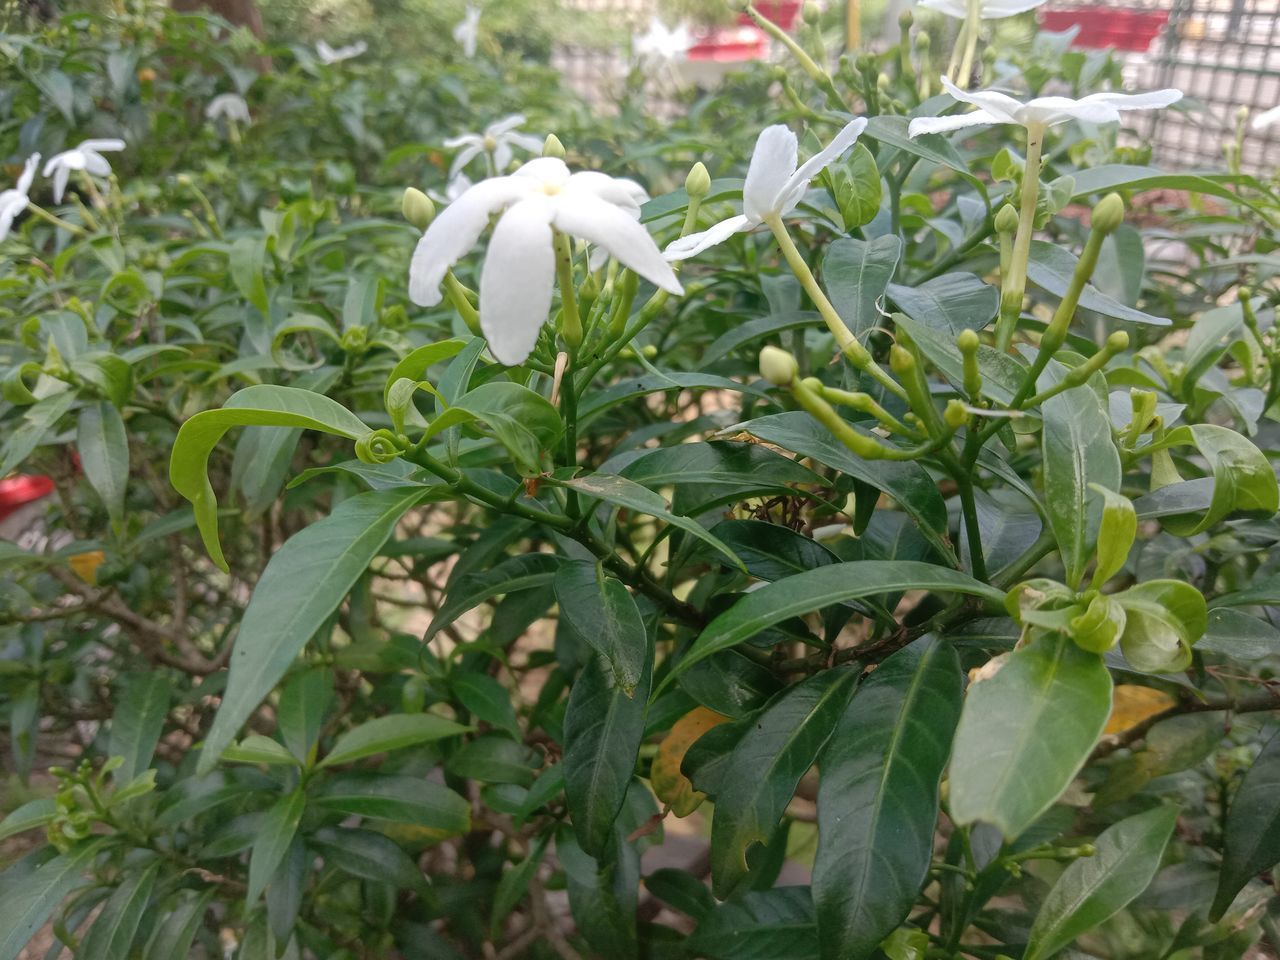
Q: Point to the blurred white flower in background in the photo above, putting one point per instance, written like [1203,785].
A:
[232,106]
[467,32]
[1264,120]
[994,107]
[328,54]
[87,156]
[519,272]
[14,200]
[497,140]
[773,187]
[455,188]
[659,45]
[987,9]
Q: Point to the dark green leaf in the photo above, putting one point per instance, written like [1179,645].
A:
[104,455]
[278,828]
[113,931]
[1252,840]
[856,274]
[603,614]
[397,799]
[393,732]
[138,722]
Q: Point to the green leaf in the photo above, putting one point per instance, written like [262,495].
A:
[414,364]
[603,728]
[1051,266]
[174,934]
[104,455]
[393,732]
[1116,534]
[858,189]
[602,896]
[495,758]
[256,748]
[856,274]
[278,828]
[512,575]
[1025,732]
[487,699]
[604,615]
[1243,480]
[32,814]
[621,492]
[522,421]
[766,765]
[1163,619]
[513,884]
[38,420]
[892,130]
[138,722]
[878,797]
[369,856]
[818,588]
[770,551]
[773,924]
[1093,889]
[1251,843]
[264,405]
[396,799]
[1002,375]
[27,905]
[112,934]
[908,483]
[303,584]
[1230,633]
[1125,176]
[1078,451]
[245,262]
[304,703]
[950,303]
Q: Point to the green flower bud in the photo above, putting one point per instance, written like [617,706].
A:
[354,340]
[1108,214]
[1117,341]
[1007,219]
[923,41]
[905,19]
[778,367]
[552,147]
[1244,294]
[698,183]
[900,359]
[882,83]
[812,12]
[395,317]
[955,415]
[967,341]
[417,208]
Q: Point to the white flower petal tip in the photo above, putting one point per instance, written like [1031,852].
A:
[232,106]
[518,277]
[996,107]
[499,140]
[328,55]
[1266,119]
[467,32]
[87,156]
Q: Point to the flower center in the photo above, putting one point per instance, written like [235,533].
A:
[490,144]
[550,189]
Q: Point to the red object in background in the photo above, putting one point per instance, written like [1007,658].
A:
[781,12]
[18,491]
[1103,28]
[730,44]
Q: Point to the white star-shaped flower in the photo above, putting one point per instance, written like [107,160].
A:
[994,107]
[774,185]
[86,156]
[229,105]
[518,276]
[989,9]
[660,45]
[498,139]
[328,54]
[1266,119]
[14,200]
[467,32]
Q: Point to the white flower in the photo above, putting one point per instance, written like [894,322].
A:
[87,156]
[988,10]
[328,54]
[1264,120]
[14,200]
[455,188]
[996,107]
[467,32]
[660,45]
[498,139]
[773,187]
[519,272]
[229,105]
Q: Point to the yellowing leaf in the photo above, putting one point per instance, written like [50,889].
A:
[1132,704]
[669,784]
[85,565]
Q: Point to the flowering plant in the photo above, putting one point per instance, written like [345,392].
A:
[893,528]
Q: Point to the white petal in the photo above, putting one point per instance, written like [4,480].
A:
[1264,120]
[952,8]
[455,231]
[619,191]
[799,181]
[922,125]
[102,146]
[60,182]
[996,104]
[473,139]
[517,279]
[28,173]
[1136,101]
[502,156]
[695,243]
[588,217]
[1055,110]
[96,164]
[499,127]
[525,141]
[462,158]
[999,9]
[773,161]
[546,170]
[12,203]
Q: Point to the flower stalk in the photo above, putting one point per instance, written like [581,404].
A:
[1014,283]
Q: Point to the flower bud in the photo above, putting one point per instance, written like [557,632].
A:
[882,83]
[812,383]
[1007,219]
[812,12]
[1117,341]
[955,415]
[1244,294]
[1242,114]
[552,147]
[778,367]
[905,19]
[698,183]
[923,41]
[967,341]
[1109,213]
[900,359]
[417,208]
[354,340]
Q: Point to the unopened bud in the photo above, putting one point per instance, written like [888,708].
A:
[955,414]
[812,383]
[1245,294]
[882,83]
[698,183]
[812,12]
[923,41]
[778,367]
[552,147]
[900,359]
[1242,114]
[417,208]
[1007,219]
[1118,341]
[905,19]
[967,341]
[1109,213]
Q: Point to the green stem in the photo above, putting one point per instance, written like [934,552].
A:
[856,353]
[973,23]
[961,39]
[1015,281]
[457,294]
[571,323]
[45,215]
[816,73]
